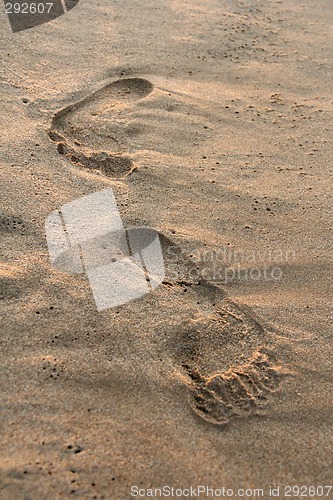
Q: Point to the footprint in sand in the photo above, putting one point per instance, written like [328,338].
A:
[222,350]
[218,350]
[104,129]
[91,132]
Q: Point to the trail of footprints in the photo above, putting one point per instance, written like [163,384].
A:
[221,384]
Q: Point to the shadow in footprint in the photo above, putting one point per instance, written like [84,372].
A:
[91,132]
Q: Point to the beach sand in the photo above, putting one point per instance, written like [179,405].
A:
[211,121]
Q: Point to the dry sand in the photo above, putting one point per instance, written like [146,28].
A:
[212,123]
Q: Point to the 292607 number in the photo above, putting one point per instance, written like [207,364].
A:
[307,491]
[26,8]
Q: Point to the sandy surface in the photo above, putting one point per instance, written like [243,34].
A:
[218,135]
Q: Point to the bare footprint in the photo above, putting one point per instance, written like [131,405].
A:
[104,130]
[225,355]
[217,350]
[91,132]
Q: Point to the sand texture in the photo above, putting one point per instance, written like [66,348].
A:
[211,121]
